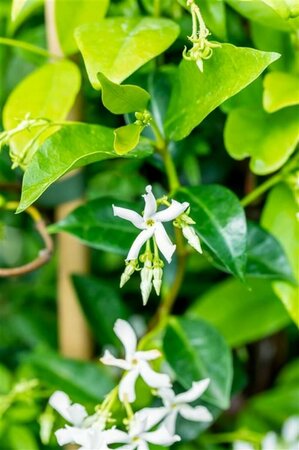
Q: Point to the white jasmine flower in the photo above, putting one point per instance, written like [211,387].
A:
[192,238]
[175,405]
[135,363]
[151,224]
[290,432]
[139,436]
[73,413]
[242,445]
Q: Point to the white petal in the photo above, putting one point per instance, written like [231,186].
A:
[77,414]
[172,212]
[70,435]
[141,239]
[197,414]
[137,425]
[127,336]
[170,421]
[148,355]
[241,445]
[152,378]
[161,437]
[110,360]
[270,441]
[127,386]
[142,445]
[164,244]
[153,416]
[60,401]
[167,395]
[114,436]
[150,203]
[128,214]
[290,429]
[197,389]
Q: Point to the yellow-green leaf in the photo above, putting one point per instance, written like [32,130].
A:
[280,90]
[117,47]
[126,138]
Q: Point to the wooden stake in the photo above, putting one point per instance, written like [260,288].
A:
[74,336]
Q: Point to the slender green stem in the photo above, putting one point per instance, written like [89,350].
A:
[256,193]
[157,8]
[28,47]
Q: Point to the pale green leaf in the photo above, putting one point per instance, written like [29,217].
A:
[126,138]
[269,139]
[117,47]
[284,8]
[70,14]
[72,147]
[48,92]
[239,313]
[196,94]
[280,90]
[122,99]
[279,217]
[17,6]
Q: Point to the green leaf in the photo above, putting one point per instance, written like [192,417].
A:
[269,139]
[71,14]
[117,47]
[196,345]
[126,138]
[94,224]
[284,8]
[196,94]
[71,147]
[17,6]
[262,13]
[280,90]
[48,92]
[279,217]
[21,437]
[102,306]
[220,224]
[214,15]
[266,257]
[240,314]
[82,381]
[122,99]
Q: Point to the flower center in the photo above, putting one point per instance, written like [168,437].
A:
[150,222]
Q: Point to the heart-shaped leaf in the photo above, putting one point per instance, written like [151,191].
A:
[196,345]
[71,147]
[117,47]
[280,90]
[220,224]
[196,94]
[122,99]
[269,139]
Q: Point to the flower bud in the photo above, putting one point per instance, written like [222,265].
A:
[157,282]
[128,272]
[192,238]
[146,275]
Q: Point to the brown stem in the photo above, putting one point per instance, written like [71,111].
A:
[43,257]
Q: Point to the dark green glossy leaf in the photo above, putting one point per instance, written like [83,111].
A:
[195,350]
[126,138]
[82,381]
[122,99]
[95,225]
[196,94]
[265,256]
[220,224]
[239,313]
[102,306]
[118,46]
[71,147]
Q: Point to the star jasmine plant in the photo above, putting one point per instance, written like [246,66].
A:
[154,236]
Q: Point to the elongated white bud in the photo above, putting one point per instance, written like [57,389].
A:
[128,272]
[146,275]
[157,282]
[192,238]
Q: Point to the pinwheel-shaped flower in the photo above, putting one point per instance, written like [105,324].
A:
[139,436]
[175,405]
[151,224]
[135,363]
